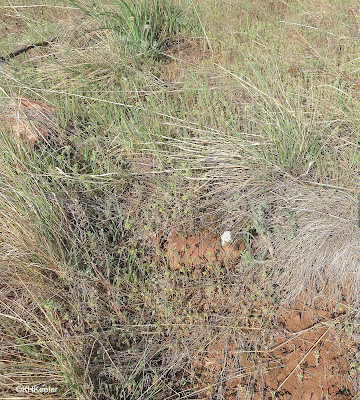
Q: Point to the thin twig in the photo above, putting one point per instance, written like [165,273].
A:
[307,353]
[26,47]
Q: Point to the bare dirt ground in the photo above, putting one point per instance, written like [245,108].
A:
[307,358]
[308,362]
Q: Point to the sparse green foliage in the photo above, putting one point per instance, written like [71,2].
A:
[142,27]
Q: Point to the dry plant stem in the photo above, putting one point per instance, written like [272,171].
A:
[299,363]
[26,47]
[106,284]
[296,335]
[331,65]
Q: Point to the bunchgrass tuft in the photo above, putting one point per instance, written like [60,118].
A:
[142,28]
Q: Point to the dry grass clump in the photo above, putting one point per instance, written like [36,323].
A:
[323,254]
[36,348]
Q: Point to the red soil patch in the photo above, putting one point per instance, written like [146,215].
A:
[307,360]
[306,363]
[202,248]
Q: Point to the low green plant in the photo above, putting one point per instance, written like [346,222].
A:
[143,27]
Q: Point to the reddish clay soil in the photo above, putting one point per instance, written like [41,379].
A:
[199,249]
[307,359]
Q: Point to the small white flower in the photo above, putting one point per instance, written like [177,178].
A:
[225,238]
